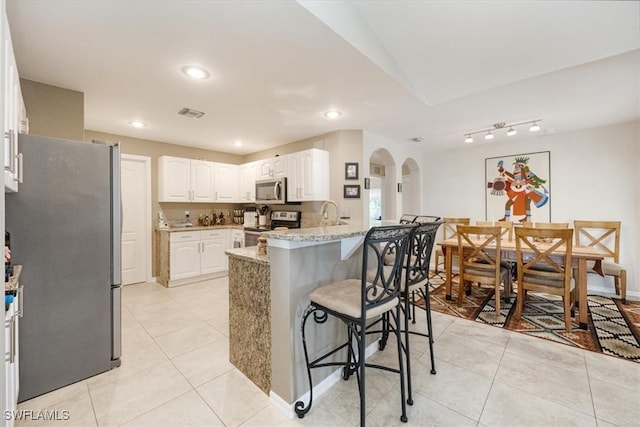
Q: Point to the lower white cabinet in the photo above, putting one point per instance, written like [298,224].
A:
[212,257]
[184,255]
[196,255]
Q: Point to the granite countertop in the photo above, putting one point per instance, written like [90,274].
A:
[12,284]
[249,253]
[318,234]
[198,227]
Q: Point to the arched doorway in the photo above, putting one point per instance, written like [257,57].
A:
[382,202]
[411,200]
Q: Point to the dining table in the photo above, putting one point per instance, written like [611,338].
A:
[581,258]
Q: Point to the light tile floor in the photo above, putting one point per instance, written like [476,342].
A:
[175,372]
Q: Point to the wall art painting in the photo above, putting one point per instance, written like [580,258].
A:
[518,187]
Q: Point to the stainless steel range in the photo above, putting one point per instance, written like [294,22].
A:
[279,219]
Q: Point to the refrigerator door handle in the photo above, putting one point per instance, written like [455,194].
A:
[116,215]
[116,325]
[20,292]
[20,168]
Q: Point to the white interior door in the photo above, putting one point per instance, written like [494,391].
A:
[136,221]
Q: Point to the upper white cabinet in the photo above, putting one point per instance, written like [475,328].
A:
[15,119]
[227,182]
[308,175]
[203,181]
[248,176]
[274,167]
[185,180]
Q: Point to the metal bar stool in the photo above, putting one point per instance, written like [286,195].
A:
[415,280]
[358,301]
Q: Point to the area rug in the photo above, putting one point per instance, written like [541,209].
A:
[613,328]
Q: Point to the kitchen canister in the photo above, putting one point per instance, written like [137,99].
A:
[262,246]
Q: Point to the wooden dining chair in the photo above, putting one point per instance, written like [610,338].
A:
[448,232]
[604,236]
[551,225]
[554,225]
[480,260]
[545,267]
[506,228]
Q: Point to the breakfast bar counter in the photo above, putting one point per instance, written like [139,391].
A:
[302,260]
[267,296]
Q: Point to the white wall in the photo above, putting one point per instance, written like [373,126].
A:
[400,151]
[595,175]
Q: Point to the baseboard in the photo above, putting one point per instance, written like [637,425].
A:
[288,409]
[609,291]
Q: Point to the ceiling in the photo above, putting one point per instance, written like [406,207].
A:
[403,69]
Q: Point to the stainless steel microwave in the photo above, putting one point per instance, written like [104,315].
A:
[271,191]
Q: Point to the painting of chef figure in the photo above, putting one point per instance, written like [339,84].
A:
[518,188]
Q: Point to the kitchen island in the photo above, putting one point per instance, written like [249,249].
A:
[299,260]
[250,315]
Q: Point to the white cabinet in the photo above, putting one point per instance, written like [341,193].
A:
[185,180]
[197,253]
[202,181]
[14,112]
[227,183]
[274,167]
[184,255]
[248,175]
[308,175]
[212,257]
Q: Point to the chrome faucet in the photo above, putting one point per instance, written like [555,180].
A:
[323,209]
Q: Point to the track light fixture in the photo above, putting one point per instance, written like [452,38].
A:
[501,125]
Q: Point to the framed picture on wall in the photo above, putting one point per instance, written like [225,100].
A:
[351,192]
[351,171]
[518,187]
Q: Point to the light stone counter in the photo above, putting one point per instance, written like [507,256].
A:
[318,234]
[250,254]
[349,237]
[14,280]
[198,227]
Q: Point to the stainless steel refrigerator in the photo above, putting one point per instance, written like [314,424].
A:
[65,231]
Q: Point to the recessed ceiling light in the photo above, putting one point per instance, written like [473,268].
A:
[137,124]
[195,72]
[332,114]
[237,143]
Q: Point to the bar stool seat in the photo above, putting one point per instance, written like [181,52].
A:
[344,297]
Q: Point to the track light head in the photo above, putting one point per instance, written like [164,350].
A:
[511,131]
[534,127]
[488,136]
[468,139]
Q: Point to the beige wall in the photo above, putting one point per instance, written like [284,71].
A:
[53,111]
[343,146]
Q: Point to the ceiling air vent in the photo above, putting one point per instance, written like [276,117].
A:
[188,112]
